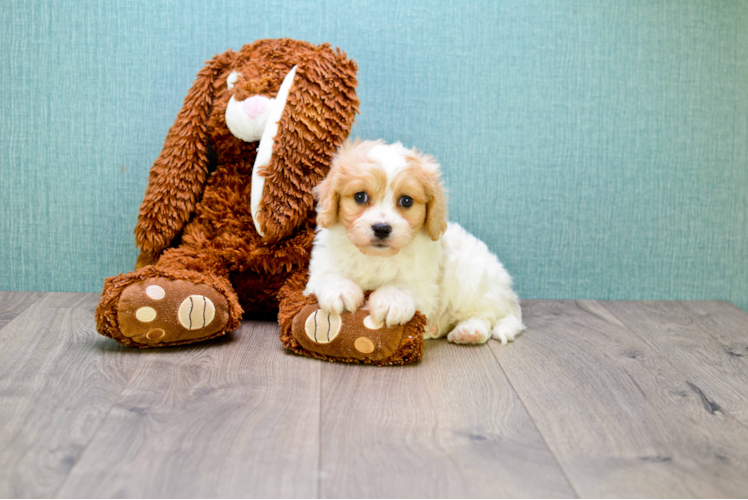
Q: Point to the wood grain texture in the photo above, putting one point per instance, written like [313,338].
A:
[233,417]
[719,308]
[707,342]
[450,426]
[58,380]
[14,303]
[620,419]
[582,403]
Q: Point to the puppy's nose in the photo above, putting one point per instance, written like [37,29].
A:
[381,231]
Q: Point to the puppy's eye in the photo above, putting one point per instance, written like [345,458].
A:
[406,201]
[361,198]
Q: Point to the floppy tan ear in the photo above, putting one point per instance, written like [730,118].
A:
[329,199]
[436,215]
[178,175]
[436,206]
[318,117]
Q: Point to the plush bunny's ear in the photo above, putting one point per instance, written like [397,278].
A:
[265,148]
[320,107]
[178,175]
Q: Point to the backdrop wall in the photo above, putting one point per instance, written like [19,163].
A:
[600,148]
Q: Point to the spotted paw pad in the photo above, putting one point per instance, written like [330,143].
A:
[349,335]
[161,310]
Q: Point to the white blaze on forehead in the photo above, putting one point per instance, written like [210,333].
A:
[265,150]
[390,157]
[393,160]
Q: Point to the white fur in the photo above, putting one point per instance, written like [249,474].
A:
[242,126]
[459,285]
[232,79]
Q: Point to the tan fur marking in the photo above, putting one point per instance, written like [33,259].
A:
[436,206]
[352,172]
[412,182]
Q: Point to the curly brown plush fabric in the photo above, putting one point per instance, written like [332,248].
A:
[195,223]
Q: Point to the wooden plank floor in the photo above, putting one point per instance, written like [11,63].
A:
[595,399]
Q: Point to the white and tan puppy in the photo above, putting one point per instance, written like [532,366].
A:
[382,227]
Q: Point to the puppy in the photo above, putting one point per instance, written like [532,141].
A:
[383,227]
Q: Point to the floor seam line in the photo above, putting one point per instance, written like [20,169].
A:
[35,301]
[319,437]
[545,442]
[98,428]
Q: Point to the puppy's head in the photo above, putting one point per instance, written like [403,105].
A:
[383,195]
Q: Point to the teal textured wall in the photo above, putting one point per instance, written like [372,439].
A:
[600,148]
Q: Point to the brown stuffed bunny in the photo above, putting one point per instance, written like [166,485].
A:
[228,216]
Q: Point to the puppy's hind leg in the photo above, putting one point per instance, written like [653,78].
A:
[507,329]
[471,331]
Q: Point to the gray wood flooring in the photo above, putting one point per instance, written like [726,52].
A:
[595,399]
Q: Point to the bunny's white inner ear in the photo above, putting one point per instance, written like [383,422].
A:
[265,149]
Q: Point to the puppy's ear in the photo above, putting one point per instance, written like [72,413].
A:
[328,198]
[436,210]
[436,206]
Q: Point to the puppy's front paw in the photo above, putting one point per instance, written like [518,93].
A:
[339,295]
[392,306]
